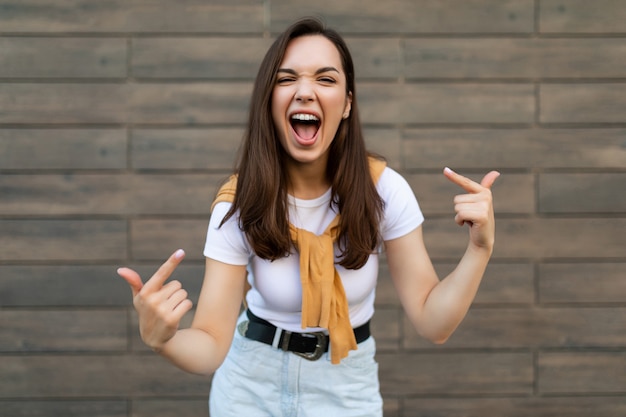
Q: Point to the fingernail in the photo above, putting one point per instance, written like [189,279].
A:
[448,170]
[179,254]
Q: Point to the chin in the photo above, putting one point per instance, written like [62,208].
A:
[305,157]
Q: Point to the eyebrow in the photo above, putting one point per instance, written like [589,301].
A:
[319,71]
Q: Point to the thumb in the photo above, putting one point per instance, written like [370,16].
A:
[132,278]
[489,179]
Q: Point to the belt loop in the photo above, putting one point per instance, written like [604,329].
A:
[277,335]
[285,343]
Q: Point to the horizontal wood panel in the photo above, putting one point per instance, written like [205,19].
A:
[62,58]
[580,16]
[78,286]
[206,58]
[514,58]
[608,406]
[97,194]
[63,103]
[185,104]
[497,328]
[387,143]
[514,148]
[582,372]
[119,119]
[447,103]
[68,149]
[190,103]
[170,407]
[39,240]
[456,373]
[386,294]
[80,16]
[117,376]
[157,239]
[63,194]
[402,16]
[582,282]
[65,408]
[376,57]
[63,331]
[601,193]
[582,103]
[502,283]
[534,238]
[386,328]
[163,149]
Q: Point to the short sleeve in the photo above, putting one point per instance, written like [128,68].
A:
[227,243]
[402,213]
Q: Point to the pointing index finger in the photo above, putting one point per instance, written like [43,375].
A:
[463,182]
[469,185]
[164,271]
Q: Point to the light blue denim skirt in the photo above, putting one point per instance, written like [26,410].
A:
[257,380]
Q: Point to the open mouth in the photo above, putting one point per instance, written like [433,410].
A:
[305,125]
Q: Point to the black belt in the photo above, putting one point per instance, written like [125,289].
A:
[310,346]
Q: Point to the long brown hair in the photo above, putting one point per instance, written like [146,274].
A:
[261,196]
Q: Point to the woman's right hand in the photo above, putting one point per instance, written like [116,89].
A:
[160,306]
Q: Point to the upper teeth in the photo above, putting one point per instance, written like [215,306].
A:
[304,117]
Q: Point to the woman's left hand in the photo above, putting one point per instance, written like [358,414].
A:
[475,208]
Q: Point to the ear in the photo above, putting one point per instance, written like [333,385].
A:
[348,107]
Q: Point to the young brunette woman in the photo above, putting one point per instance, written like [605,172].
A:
[301,223]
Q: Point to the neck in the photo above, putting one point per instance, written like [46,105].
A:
[307,181]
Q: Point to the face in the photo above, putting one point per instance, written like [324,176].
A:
[309,99]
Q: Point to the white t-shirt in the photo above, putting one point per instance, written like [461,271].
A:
[276,293]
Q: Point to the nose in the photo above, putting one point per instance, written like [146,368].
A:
[304,92]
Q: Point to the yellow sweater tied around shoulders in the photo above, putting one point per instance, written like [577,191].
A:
[324,302]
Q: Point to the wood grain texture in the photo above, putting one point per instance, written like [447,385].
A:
[63,58]
[75,376]
[514,149]
[407,16]
[582,372]
[62,149]
[609,406]
[161,16]
[582,282]
[583,103]
[119,120]
[579,16]
[62,240]
[456,373]
[513,58]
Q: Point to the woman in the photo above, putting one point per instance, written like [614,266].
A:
[306,188]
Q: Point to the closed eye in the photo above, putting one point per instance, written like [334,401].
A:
[285,80]
[327,80]
[290,75]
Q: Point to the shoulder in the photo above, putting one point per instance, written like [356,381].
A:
[391,182]
[402,212]
[226,242]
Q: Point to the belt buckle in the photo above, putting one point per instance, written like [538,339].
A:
[320,346]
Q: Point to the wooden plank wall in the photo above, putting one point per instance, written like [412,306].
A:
[119,118]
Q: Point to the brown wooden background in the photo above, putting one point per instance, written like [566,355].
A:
[119,117]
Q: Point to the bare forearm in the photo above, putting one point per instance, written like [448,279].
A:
[195,351]
[448,302]
[434,307]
